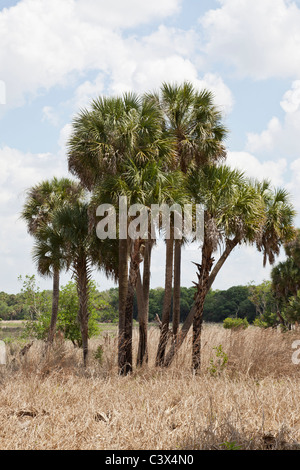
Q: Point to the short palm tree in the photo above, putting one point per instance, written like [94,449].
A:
[279,228]
[49,256]
[80,244]
[41,202]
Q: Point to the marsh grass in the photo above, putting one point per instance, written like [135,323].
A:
[253,403]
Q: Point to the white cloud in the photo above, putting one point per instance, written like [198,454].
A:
[253,168]
[264,140]
[18,172]
[88,90]
[280,139]
[125,13]
[260,39]
[291,99]
[50,115]
[45,43]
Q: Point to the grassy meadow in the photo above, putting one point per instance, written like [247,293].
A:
[247,397]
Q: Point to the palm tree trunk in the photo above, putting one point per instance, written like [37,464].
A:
[176,291]
[126,366]
[123,288]
[207,262]
[230,245]
[164,332]
[142,290]
[83,294]
[190,318]
[142,347]
[55,300]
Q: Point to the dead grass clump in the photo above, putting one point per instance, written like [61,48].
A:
[255,352]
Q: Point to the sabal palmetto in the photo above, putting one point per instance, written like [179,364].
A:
[233,213]
[104,139]
[144,184]
[285,278]
[43,198]
[48,254]
[237,211]
[194,123]
[279,228]
[80,245]
[41,202]
[292,248]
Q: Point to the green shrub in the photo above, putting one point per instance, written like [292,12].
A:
[260,323]
[38,323]
[235,323]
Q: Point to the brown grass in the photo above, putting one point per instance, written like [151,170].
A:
[254,403]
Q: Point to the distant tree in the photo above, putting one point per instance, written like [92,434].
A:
[262,296]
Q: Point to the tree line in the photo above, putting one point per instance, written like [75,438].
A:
[219,304]
[164,147]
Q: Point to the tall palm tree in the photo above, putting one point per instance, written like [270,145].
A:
[194,124]
[104,139]
[144,184]
[247,212]
[41,202]
[234,213]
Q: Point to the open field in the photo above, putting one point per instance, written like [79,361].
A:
[253,402]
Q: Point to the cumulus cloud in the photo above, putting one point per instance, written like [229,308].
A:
[18,172]
[49,114]
[260,39]
[291,99]
[254,168]
[280,138]
[45,43]
[125,14]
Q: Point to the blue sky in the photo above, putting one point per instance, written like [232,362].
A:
[56,55]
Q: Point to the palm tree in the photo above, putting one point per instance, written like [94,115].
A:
[105,139]
[234,213]
[48,253]
[43,198]
[73,224]
[292,248]
[41,202]
[144,184]
[193,123]
[278,229]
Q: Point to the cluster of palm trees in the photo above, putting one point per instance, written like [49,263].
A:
[160,148]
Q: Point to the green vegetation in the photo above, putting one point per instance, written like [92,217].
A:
[218,363]
[219,304]
[235,323]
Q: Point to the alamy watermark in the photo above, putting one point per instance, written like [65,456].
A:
[2,353]
[296,354]
[140,221]
[2,92]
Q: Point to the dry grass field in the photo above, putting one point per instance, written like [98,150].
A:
[253,402]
